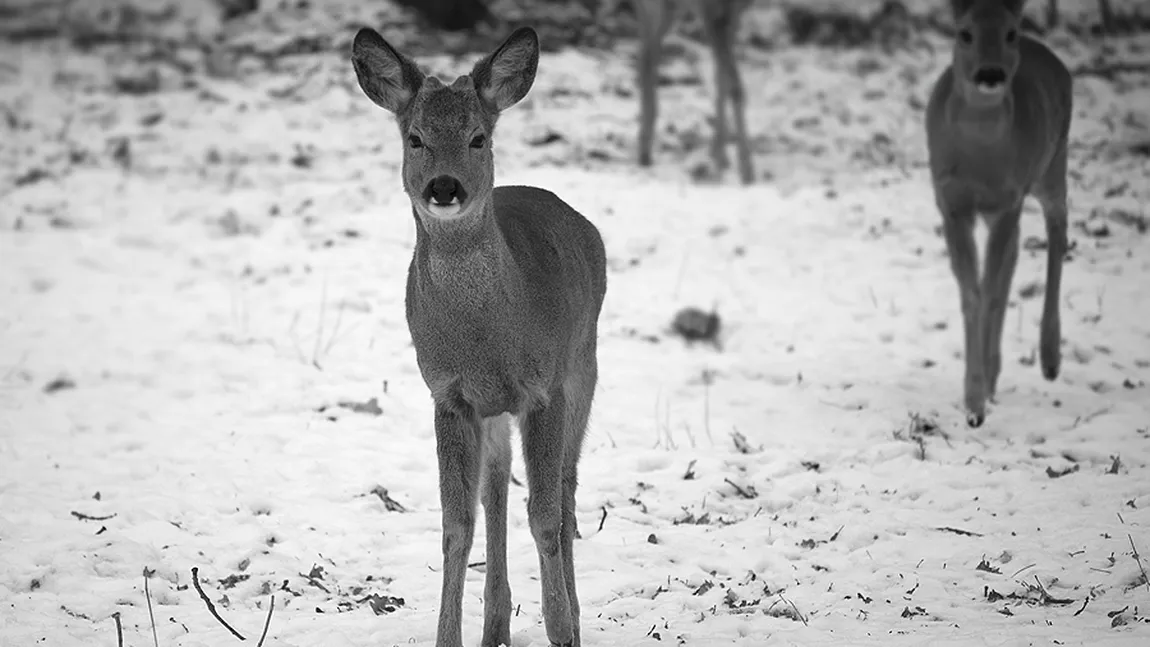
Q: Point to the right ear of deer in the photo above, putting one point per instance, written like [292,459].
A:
[387,77]
[505,77]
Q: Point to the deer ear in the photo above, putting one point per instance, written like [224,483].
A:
[387,77]
[505,76]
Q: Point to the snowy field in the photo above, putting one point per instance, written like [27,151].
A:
[204,362]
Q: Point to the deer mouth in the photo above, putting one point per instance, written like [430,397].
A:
[990,81]
[440,210]
[444,197]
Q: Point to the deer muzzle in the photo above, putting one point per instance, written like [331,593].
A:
[444,196]
[990,81]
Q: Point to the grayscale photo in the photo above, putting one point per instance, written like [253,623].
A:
[574,323]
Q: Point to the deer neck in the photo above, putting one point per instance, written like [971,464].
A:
[466,256]
[983,124]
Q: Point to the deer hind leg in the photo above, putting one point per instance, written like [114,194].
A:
[1001,259]
[495,474]
[1052,196]
[721,22]
[459,447]
[654,17]
[958,227]
[579,392]
[742,142]
[543,432]
[716,19]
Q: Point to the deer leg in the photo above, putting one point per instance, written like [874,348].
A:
[738,103]
[578,393]
[721,22]
[720,94]
[496,590]
[958,227]
[1053,200]
[654,19]
[458,447]
[543,432]
[1001,259]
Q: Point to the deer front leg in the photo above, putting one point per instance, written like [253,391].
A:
[1001,259]
[579,390]
[458,447]
[958,227]
[543,448]
[496,590]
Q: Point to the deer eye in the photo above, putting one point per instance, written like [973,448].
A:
[414,141]
[965,36]
[478,141]
[1011,36]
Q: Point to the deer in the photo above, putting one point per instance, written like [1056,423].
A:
[720,20]
[997,128]
[504,292]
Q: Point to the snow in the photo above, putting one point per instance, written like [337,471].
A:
[810,482]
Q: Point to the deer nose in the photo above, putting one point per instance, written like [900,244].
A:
[444,190]
[990,76]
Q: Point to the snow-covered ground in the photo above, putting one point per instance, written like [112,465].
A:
[204,364]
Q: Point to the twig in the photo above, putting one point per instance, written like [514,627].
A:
[667,425]
[1081,420]
[268,622]
[794,608]
[335,329]
[119,630]
[151,616]
[959,531]
[319,324]
[837,532]
[1022,569]
[208,602]
[603,519]
[87,517]
[1041,589]
[707,405]
[738,489]
[1138,558]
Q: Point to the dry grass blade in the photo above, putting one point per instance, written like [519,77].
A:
[267,622]
[1138,558]
[119,630]
[794,608]
[208,602]
[151,615]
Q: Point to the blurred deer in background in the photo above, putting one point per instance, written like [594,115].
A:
[720,20]
[503,299]
[997,126]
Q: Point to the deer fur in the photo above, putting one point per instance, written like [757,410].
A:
[504,292]
[997,126]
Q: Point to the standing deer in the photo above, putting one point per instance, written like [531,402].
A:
[720,23]
[997,126]
[503,298]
